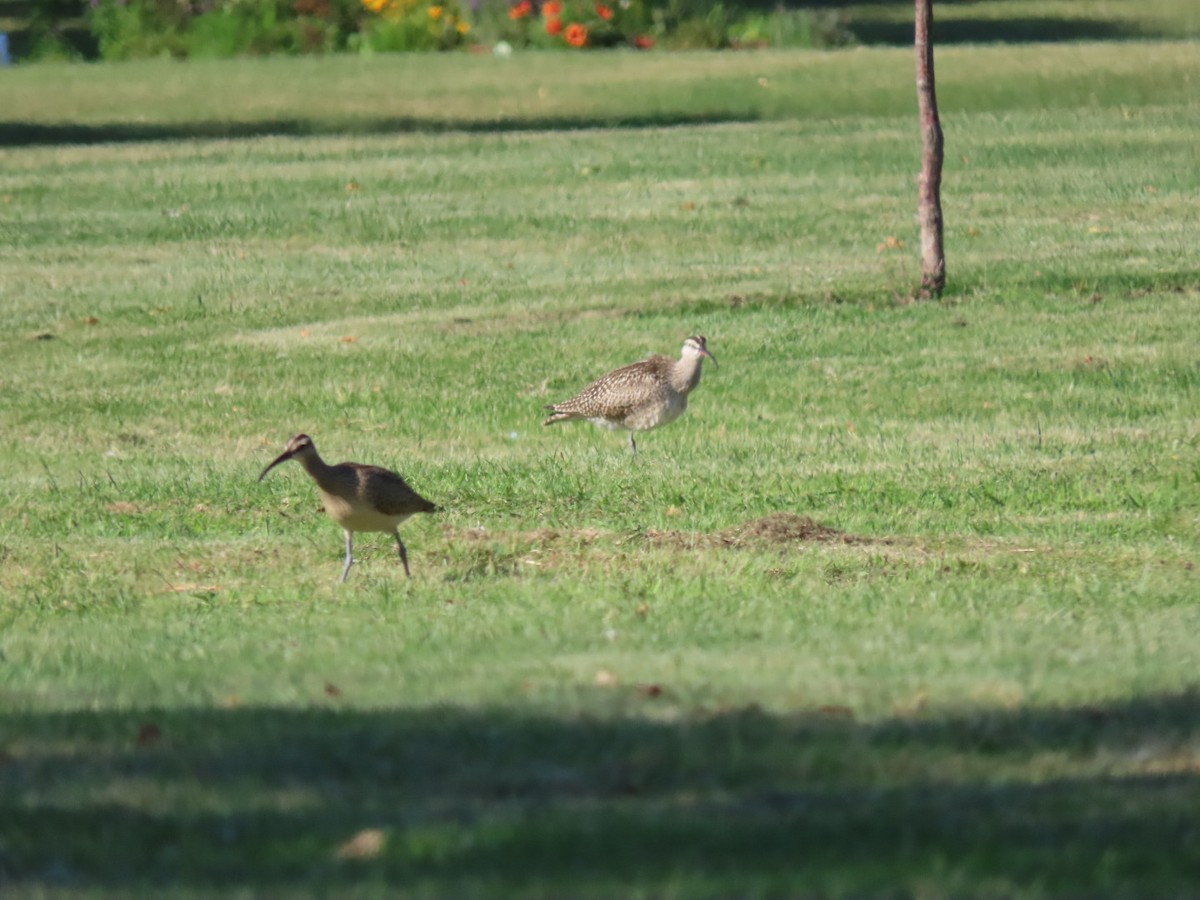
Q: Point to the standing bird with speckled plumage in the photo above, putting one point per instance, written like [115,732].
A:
[640,396]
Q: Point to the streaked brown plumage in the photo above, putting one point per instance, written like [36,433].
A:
[356,496]
[640,396]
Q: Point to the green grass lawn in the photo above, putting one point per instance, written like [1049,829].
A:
[905,605]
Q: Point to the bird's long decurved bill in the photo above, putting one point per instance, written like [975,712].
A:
[705,352]
[282,457]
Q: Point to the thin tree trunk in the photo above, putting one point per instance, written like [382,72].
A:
[929,190]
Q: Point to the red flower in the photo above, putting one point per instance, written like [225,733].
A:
[552,9]
[643,42]
[576,35]
[554,26]
[604,12]
[521,10]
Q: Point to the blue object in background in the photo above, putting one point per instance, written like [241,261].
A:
[5,59]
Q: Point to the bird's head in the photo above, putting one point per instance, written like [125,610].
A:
[297,446]
[696,347]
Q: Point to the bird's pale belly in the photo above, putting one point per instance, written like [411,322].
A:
[358,516]
[656,416]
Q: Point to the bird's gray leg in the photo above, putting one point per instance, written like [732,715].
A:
[632,444]
[403,553]
[349,554]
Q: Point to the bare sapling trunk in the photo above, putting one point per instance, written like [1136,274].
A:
[929,187]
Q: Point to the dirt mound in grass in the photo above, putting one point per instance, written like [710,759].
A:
[781,528]
[785,528]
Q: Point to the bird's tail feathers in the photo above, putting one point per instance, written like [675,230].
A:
[559,415]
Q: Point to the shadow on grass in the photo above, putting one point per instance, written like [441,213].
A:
[499,803]
[27,134]
[897,30]
[1033,30]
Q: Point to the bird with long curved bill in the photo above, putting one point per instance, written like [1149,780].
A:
[356,496]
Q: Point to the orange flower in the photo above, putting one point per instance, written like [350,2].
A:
[576,35]
[552,9]
[643,42]
[554,26]
[521,10]
[604,12]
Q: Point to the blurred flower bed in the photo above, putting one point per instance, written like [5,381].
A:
[128,29]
